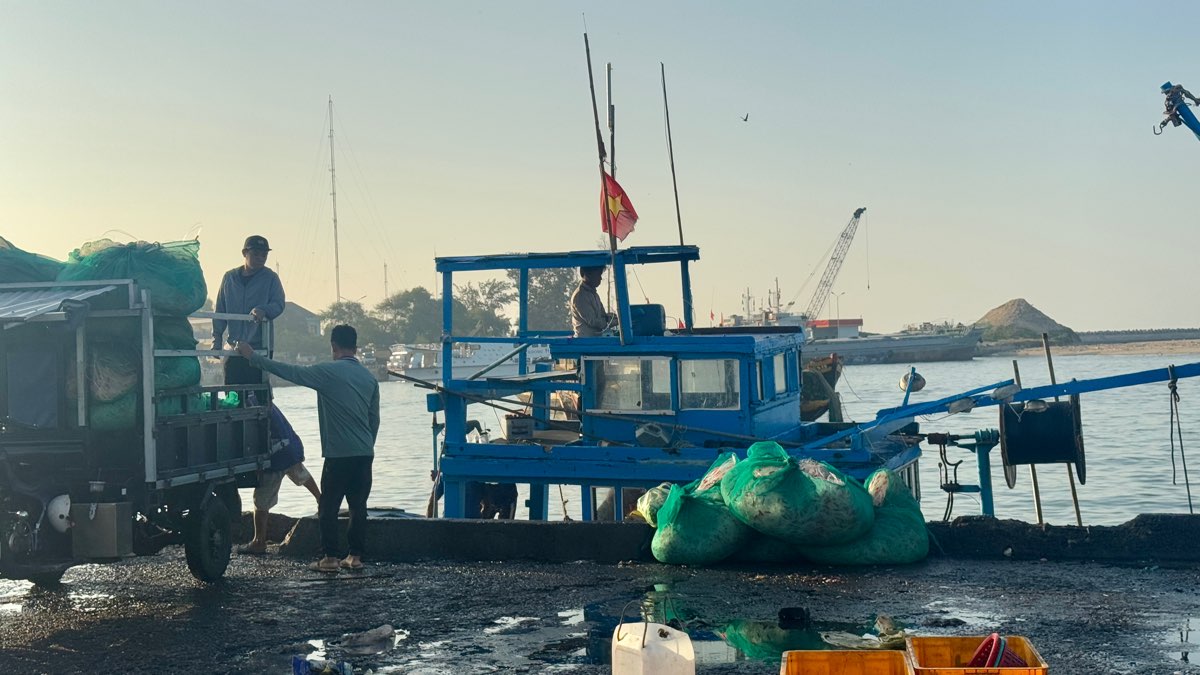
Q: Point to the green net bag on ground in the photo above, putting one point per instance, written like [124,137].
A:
[763,549]
[649,503]
[171,272]
[695,531]
[803,502]
[708,486]
[897,537]
[18,266]
[117,415]
[766,641]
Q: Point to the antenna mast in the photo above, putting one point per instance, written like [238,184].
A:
[337,265]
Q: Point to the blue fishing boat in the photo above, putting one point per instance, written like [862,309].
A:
[652,404]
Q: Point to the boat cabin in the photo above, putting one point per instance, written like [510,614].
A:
[641,404]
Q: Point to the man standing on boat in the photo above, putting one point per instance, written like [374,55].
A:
[348,413]
[252,289]
[588,316]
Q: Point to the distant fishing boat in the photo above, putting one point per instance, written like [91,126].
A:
[920,343]
[424,361]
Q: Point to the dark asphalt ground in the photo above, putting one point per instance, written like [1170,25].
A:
[149,616]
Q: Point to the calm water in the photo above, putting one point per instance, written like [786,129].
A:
[1126,435]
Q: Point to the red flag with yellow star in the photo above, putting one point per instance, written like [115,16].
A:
[619,209]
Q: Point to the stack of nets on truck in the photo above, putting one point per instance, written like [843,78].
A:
[171,273]
[772,507]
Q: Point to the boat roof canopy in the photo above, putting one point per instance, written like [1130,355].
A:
[636,255]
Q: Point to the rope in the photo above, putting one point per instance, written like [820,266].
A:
[1177,429]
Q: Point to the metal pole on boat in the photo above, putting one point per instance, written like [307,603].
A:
[1037,494]
[687,282]
[612,236]
[1070,472]
[671,151]
[612,122]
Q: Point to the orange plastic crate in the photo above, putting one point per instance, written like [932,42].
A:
[950,656]
[845,662]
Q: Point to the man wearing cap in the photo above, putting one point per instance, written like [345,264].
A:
[251,289]
[588,318]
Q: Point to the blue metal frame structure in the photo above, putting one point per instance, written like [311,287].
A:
[758,396]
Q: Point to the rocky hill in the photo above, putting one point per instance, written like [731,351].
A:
[1019,320]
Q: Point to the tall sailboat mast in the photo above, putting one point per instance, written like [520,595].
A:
[337,265]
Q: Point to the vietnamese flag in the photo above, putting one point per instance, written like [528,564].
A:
[618,209]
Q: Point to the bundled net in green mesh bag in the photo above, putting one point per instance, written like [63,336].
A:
[171,272]
[800,501]
[897,537]
[708,486]
[18,266]
[113,369]
[173,332]
[695,531]
[763,549]
[175,372]
[650,502]
[116,415]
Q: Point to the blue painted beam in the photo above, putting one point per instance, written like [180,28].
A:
[635,255]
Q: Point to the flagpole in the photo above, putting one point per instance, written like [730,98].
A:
[612,236]
[687,281]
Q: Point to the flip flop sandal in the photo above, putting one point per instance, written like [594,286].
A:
[350,566]
[318,567]
[246,550]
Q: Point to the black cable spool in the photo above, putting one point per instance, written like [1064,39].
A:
[1050,436]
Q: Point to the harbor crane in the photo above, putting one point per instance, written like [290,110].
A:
[821,295]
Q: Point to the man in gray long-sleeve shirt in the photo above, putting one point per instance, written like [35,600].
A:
[348,412]
[252,289]
[588,318]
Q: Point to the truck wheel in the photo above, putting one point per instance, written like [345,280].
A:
[207,541]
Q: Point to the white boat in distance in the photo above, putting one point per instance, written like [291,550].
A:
[424,361]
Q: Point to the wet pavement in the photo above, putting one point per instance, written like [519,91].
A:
[149,616]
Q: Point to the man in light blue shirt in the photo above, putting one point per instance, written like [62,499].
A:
[348,412]
[252,289]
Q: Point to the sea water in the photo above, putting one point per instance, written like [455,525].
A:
[1126,438]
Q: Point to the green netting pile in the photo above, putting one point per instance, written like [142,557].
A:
[774,508]
[802,502]
[18,266]
[694,525]
[898,535]
[171,272]
[649,503]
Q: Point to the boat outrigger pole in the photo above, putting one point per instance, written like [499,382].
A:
[687,299]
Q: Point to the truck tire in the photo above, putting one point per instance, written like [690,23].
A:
[207,540]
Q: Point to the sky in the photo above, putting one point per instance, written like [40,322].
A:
[1002,149]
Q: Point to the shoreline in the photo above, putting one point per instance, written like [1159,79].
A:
[1145,348]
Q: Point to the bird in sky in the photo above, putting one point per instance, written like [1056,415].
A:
[746,118]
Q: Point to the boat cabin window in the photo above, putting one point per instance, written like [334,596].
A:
[780,374]
[710,384]
[632,384]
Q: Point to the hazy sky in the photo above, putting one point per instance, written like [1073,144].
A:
[1002,149]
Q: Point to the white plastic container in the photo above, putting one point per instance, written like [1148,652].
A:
[651,649]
